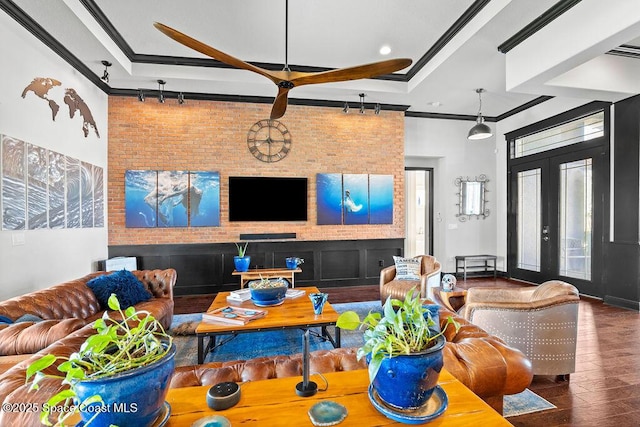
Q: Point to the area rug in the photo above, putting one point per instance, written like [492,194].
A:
[268,343]
[526,402]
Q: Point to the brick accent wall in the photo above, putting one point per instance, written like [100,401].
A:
[212,136]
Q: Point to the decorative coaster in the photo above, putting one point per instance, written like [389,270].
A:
[327,413]
[212,421]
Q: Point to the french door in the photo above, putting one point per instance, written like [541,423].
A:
[555,219]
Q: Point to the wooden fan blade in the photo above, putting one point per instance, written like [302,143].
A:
[354,73]
[280,103]
[212,52]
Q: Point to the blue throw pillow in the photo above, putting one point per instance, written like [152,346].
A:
[5,319]
[29,318]
[129,290]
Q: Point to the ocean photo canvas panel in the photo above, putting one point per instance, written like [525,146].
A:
[381,199]
[355,198]
[140,198]
[173,198]
[329,198]
[204,199]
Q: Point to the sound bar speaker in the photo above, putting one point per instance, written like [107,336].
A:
[268,236]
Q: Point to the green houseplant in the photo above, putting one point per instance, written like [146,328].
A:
[242,260]
[111,375]
[405,331]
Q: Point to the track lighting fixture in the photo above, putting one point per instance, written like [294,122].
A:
[362,109]
[161,84]
[180,98]
[105,75]
[140,95]
[480,130]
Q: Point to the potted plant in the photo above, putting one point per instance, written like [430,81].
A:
[120,375]
[403,346]
[242,261]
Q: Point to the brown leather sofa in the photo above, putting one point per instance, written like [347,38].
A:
[482,362]
[69,306]
[429,278]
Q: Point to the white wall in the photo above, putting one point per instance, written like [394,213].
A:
[442,144]
[47,257]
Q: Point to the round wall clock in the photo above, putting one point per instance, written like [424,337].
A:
[269,140]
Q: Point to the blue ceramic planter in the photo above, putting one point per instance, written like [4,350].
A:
[131,398]
[241,263]
[266,296]
[408,381]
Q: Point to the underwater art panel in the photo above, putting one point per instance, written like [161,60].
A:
[204,199]
[355,198]
[140,198]
[329,198]
[381,199]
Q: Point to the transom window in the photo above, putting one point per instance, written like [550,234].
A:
[573,132]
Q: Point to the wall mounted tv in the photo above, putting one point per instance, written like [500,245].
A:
[267,199]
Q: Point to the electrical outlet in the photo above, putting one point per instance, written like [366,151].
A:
[380,263]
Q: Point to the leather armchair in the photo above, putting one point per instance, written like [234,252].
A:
[429,278]
[541,321]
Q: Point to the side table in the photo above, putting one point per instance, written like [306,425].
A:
[453,300]
[267,273]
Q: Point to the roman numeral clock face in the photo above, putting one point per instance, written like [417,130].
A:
[269,141]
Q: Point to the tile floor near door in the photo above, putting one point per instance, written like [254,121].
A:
[604,390]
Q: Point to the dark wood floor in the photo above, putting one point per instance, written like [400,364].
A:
[605,389]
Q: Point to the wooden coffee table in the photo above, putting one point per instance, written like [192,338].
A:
[274,402]
[296,313]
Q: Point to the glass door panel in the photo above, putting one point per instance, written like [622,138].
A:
[576,218]
[529,216]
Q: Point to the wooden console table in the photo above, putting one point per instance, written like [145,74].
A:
[274,402]
[485,259]
[267,273]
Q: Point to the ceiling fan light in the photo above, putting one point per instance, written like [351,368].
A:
[480,130]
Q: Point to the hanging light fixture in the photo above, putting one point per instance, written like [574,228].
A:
[480,130]
[161,84]
[105,75]
[362,95]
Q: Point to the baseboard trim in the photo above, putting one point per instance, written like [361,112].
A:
[622,303]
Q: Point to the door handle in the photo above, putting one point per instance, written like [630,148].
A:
[545,238]
[545,233]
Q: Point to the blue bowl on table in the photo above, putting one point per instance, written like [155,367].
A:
[268,295]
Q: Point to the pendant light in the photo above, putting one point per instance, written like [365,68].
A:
[480,130]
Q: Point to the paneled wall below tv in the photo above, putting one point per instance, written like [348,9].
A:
[206,268]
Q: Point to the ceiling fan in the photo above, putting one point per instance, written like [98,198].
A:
[287,79]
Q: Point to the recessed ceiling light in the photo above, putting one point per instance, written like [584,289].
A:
[385,50]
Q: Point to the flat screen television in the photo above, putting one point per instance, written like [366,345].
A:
[267,199]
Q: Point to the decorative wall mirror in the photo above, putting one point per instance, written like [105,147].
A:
[471,197]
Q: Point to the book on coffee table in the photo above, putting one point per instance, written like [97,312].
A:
[233,315]
[294,293]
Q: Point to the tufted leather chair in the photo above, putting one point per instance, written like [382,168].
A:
[69,306]
[541,321]
[429,278]
[482,362]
